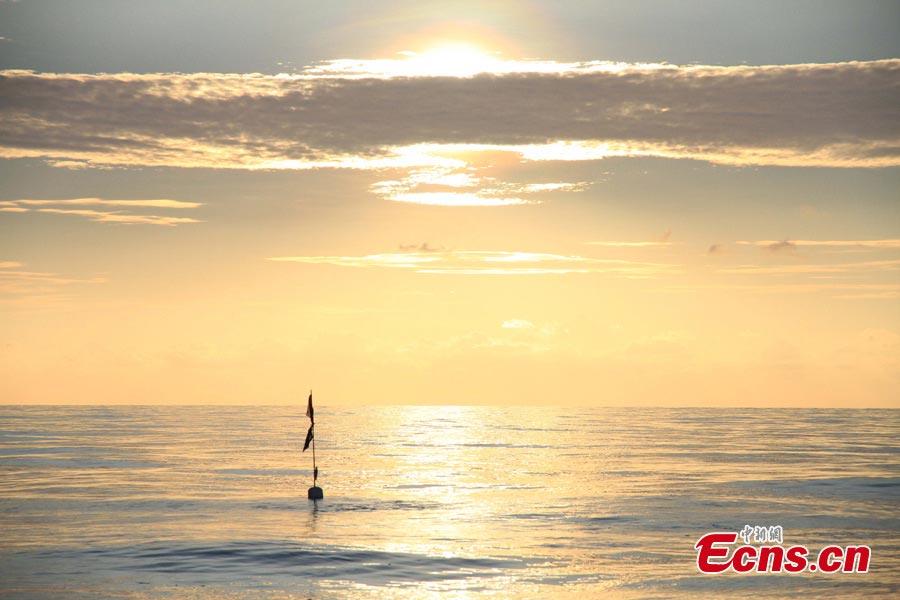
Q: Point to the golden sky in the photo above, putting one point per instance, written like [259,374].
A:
[495,207]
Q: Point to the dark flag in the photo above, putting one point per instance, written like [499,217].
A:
[309,437]
[309,409]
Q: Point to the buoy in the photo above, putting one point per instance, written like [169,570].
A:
[315,492]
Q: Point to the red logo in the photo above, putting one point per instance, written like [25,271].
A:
[715,554]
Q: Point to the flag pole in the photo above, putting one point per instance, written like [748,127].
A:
[315,470]
[315,492]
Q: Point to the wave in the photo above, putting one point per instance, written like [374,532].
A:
[283,559]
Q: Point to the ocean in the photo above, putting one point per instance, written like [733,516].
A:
[457,502]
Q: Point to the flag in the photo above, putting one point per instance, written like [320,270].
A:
[309,409]
[309,437]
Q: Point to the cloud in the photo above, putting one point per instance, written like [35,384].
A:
[885,295]
[869,279]
[108,217]
[861,291]
[477,262]
[852,291]
[153,203]
[658,241]
[449,66]
[794,244]
[629,244]
[782,246]
[449,182]
[423,247]
[839,114]
[456,199]
[112,216]
[856,267]
[31,288]
[517,324]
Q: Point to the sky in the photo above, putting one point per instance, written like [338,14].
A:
[634,203]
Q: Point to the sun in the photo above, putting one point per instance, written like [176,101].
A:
[443,59]
[452,59]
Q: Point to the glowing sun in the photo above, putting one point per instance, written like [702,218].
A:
[451,59]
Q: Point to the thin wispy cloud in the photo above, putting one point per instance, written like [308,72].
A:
[883,295]
[151,203]
[782,246]
[840,114]
[832,268]
[608,244]
[452,184]
[461,65]
[661,240]
[794,244]
[115,214]
[471,262]
[860,291]
[517,324]
[19,286]
[842,290]
[126,219]
[423,247]
[484,198]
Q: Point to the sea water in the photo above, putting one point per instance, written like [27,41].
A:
[210,502]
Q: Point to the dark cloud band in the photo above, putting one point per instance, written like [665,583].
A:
[830,114]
